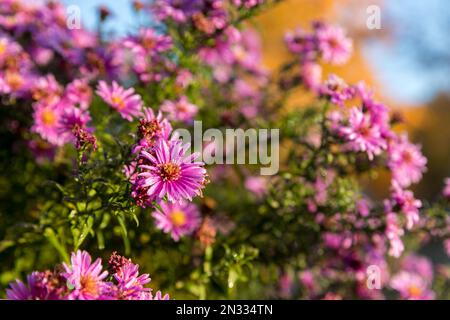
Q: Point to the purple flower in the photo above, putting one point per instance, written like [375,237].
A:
[405,161]
[302,43]
[151,128]
[85,277]
[311,74]
[420,265]
[411,286]
[40,286]
[336,90]
[170,173]
[130,285]
[393,233]
[407,204]
[47,122]
[178,219]
[148,42]
[334,45]
[125,101]
[363,134]
[79,92]
[180,110]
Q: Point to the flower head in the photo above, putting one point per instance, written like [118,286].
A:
[40,286]
[169,172]
[180,110]
[177,219]
[363,134]
[47,122]
[85,277]
[151,128]
[333,44]
[125,101]
[406,162]
[411,286]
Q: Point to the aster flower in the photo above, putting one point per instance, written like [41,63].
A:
[364,135]
[411,286]
[405,161]
[40,286]
[418,264]
[47,122]
[393,232]
[148,42]
[179,110]
[46,89]
[302,43]
[336,90]
[85,277]
[407,204]
[72,120]
[151,128]
[171,173]
[333,44]
[79,92]
[311,74]
[179,219]
[125,101]
[130,285]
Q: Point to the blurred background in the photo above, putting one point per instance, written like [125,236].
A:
[407,61]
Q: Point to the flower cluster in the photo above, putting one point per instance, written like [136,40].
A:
[83,279]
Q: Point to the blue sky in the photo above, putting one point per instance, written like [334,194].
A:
[397,67]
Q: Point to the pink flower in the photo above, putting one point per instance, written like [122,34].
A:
[40,286]
[127,103]
[148,42]
[130,285]
[405,161]
[151,129]
[256,185]
[311,74]
[177,219]
[46,90]
[364,135]
[420,265]
[71,120]
[47,122]
[334,45]
[407,204]
[79,92]
[170,173]
[85,277]
[179,110]
[336,89]
[411,286]
[393,232]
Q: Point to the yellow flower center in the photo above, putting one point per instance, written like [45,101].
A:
[14,80]
[414,291]
[2,47]
[169,171]
[118,101]
[89,285]
[48,117]
[178,218]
